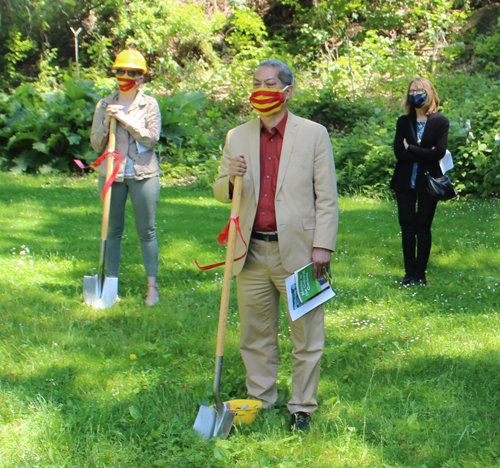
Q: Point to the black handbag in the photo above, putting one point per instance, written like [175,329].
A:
[441,188]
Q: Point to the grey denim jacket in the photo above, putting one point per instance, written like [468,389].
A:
[145,127]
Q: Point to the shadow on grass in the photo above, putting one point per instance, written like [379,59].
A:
[404,401]
[435,409]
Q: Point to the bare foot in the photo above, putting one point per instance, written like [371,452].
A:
[153,296]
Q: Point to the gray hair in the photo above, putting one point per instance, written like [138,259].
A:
[285,73]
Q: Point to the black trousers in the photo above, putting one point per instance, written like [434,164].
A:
[416,212]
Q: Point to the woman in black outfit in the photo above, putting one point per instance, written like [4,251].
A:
[421,141]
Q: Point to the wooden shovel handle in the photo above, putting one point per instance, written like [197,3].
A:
[228,268]
[109,171]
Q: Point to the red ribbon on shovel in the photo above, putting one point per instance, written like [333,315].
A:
[222,239]
[101,158]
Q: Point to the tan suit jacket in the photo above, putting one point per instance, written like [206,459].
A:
[306,191]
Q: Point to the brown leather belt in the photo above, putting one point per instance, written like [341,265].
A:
[271,237]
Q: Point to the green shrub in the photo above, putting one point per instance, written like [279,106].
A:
[335,112]
[473,106]
[194,129]
[364,157]
[43,132]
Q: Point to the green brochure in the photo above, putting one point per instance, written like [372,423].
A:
[307,286]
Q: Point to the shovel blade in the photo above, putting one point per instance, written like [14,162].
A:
[205,422]
[107,298]
[209,423]
[224,424]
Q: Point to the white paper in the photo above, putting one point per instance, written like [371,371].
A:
[295,308]
[140,148]
[446,162]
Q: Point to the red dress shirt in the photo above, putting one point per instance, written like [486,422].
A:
[271,143]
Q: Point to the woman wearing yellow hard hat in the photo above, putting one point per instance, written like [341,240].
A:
[138,130]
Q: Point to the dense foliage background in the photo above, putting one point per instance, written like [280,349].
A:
[353,60]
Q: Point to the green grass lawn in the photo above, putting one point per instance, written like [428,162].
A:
[410,376]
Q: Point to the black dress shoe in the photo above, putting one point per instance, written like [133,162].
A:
[420,281]
[406,281]
[300,421]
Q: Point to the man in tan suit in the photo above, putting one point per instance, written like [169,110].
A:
[288,218]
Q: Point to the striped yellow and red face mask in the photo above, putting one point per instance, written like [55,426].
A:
[126,84]
[268,101]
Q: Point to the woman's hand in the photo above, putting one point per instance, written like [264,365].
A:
[107,117]
[405,143]
[116,111]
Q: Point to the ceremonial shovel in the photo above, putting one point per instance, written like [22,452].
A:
[217,422]
[99,291]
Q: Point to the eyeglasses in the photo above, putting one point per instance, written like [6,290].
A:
[131,73]
[416,91]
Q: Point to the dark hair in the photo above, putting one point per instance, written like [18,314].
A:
[285,74]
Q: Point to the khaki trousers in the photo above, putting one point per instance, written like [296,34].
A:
[260,284]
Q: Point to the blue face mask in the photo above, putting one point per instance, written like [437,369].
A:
[418,100]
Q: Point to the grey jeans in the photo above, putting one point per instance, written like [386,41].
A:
[144,195]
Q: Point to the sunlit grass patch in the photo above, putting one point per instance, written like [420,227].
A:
[408,373]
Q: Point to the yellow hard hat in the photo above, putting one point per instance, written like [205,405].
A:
[130,59]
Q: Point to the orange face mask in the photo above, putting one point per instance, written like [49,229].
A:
[268,101]
[126,83]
